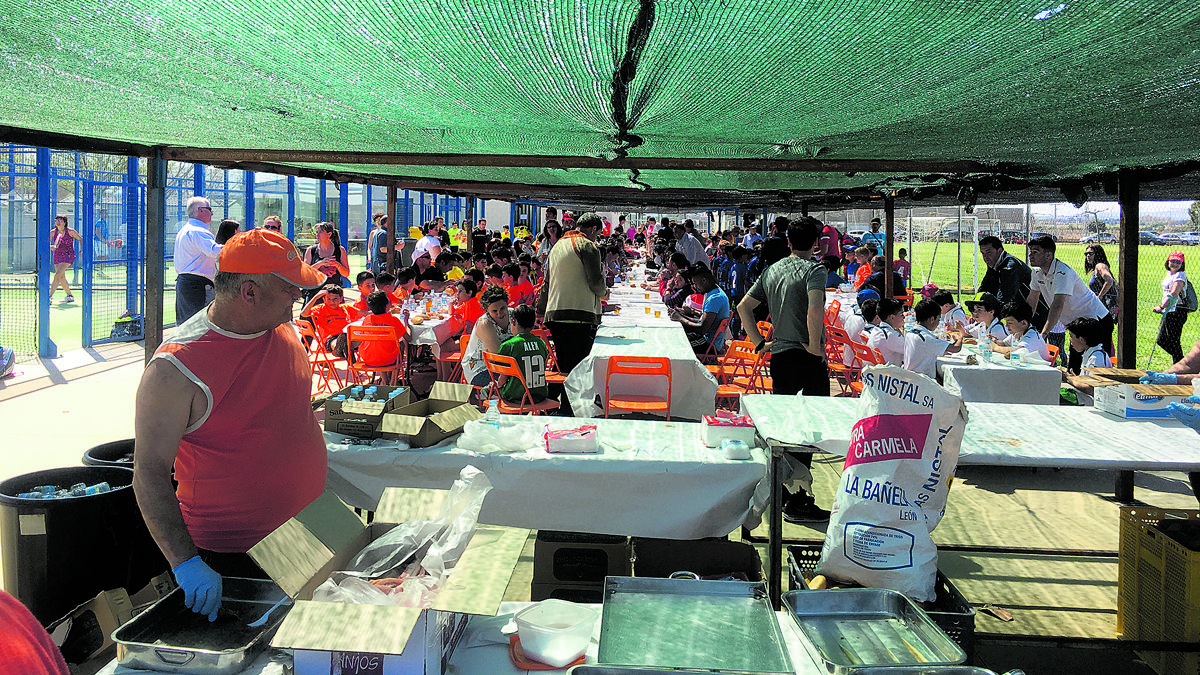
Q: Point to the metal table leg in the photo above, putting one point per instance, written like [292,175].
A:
[775,530]
[1124,487]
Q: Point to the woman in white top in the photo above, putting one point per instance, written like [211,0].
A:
[1172,307]
[888,338]
[1017,318]
[984,323]
[490,331]
[430,242]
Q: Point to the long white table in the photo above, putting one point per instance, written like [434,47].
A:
[999,434]
[693,388]
[997,381]
[650,479]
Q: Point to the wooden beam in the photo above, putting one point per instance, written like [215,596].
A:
[276,156]
[156,219]
[1128,195]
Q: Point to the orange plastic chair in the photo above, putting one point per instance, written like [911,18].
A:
[1053,354]
[453,358]
[909,298]
[865,357]
[644,366]
[497,365]
[323,364]
[389,374]
[836,341]
[766,329]
[756,382]
[833,315]
[737,360]
[710,354]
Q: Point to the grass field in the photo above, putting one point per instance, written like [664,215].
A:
[936,262]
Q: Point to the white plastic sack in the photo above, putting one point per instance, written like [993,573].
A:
[902,456]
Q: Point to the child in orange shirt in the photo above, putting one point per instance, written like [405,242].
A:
[327,313]
[366,286]
[376,353]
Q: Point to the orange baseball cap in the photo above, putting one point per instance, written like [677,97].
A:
[262,251]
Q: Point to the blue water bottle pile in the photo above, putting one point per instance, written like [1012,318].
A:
[367,395]
[55,492]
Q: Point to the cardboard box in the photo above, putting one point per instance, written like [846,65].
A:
[1122,375]
[433,420]
[1142,401]
[87,630]
[715,429]
[384,640]
[359,418]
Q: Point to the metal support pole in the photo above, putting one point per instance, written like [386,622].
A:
[889,245]
[344,214]
[291,208]
[132,235]
[1128,196]
[198,179]
[322,207]
[45,256]
[390,263]
[512,219]
[156,213]
[248,184]
[958,259]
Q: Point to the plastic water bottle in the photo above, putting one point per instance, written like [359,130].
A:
[81,490]
[985,345]
[492,416]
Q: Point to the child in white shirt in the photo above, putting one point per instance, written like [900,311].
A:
[1086,338]
[984,322]
[953,316]
[1017,318]
[921,347]
[887,336]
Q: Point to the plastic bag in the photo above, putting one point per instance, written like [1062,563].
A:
[436,543]
[902,456]
[482,437]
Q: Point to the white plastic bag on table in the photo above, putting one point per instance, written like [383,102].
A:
[437,543]
[902,456]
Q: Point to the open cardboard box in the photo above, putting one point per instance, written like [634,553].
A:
[359,418]
[431,421]
[330,637]
[87,630]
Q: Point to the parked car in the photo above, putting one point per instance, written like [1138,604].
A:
[1099,238]
[1190,238]
[1012,236]
[1147,238]
[1035,235]
[1170,238]
[951,234]
[857,233]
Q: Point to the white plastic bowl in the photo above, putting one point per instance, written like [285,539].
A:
[555,632]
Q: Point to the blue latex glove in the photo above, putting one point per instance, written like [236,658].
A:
[1152,377]
[201,586]
[1186,413]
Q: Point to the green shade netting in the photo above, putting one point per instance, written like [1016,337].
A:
[1061,89]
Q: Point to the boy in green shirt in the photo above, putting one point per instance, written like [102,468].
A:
[530,354]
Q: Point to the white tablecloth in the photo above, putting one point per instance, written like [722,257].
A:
[432,332]
[693,388]
[993,382]
[999,434]
[650,479]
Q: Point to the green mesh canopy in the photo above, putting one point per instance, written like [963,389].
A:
[965,98]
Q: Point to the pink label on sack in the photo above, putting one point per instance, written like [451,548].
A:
[886,437]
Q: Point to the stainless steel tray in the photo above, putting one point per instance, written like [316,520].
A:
[683,623]
[647,670]
[851,629]
[929,670]
[170,637]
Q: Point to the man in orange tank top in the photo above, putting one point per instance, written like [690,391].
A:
[224,404]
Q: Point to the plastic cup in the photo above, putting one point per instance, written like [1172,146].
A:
[657,313]
[647,310]
[647,296]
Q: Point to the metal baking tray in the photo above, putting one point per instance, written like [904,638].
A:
[685,623]
[647,670]
[172,638]
[850,629]
[930,670]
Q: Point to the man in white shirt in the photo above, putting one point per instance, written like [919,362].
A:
[751,236]
[196,252]
[1067,295]
[888,338]
[689,246]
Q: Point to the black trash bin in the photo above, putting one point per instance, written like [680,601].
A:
[115,453]
[58,553]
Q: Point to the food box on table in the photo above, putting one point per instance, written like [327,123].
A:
[714,429]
